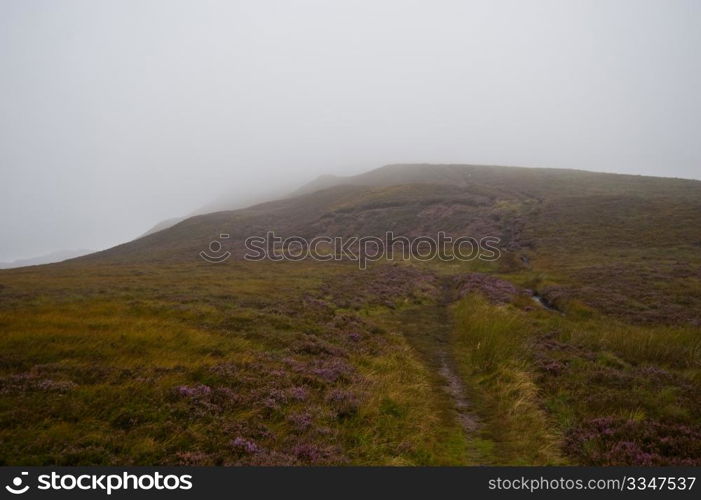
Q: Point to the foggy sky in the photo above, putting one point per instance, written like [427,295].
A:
[115,115]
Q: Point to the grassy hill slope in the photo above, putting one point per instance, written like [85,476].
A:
[145,354]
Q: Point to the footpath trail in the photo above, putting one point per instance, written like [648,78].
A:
[428,329]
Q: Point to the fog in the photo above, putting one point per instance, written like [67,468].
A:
[115,115]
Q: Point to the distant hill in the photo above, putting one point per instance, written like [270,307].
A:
[231,201]
[49,258]
[534,181]
[496,181]
[164,224]
[509,202]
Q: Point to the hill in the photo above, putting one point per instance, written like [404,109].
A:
[411,199]
[534,181]
[49,258]
[575,225]
[580,345]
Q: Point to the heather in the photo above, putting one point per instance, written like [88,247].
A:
[165,366]
[589,391]
[580,345]
[271,364]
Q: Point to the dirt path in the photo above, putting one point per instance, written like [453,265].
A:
[428,328]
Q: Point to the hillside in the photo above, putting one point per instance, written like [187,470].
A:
[580,345]
[574,225]
[410,199]
[533,181]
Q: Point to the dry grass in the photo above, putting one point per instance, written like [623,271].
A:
[489,345]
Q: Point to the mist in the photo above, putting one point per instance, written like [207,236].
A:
[116,115]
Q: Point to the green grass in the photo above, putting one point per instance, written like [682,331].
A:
[490,348]
[90,368]
[322,364]
[539,378]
